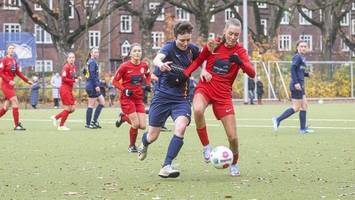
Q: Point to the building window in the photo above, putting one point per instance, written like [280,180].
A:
[212,17]
[302,20]
[211,35]
[343,46]
[158,39]
[285,18]
[263,23]
[153,6]
[49,4]
[262,5]
[345,20]
[320,42]
[42,37]
[181,14]
[94,39]
[91,6]
[285,42]
[353,26]
[12,28]
[125,48]
[44,66]
[126,24]
[308,40]
[228,13]
[353,7]
[12,4]
[71,9]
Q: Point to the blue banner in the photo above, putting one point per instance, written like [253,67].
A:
[25,47]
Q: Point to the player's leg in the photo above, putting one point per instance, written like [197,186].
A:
[98,110]
[63,117]
[5,107]
[16,114]
[296,96]
[303,117]
[199,106]
[89,110]
[133,131]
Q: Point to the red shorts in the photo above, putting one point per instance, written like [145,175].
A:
[221,107]
[129,106]
[8,91]
[67,96]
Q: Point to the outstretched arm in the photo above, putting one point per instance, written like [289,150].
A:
[197,62]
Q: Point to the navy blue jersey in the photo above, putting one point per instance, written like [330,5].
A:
[178,57]
[93,78]
[298,68]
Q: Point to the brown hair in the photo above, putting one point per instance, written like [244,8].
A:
[181,28]
[298,43]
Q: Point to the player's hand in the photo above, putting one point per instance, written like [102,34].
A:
[97,89]
[205,75]
[12,82]
[298,86]
[30,82]
[212,44]
[310,74]
[147,88]
[128,92]
[234,58]
[165,66]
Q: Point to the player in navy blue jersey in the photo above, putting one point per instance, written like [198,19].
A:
[171,97]
[93,90]
[299,101]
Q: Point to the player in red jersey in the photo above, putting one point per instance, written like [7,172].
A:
[129,79]
[69,77]
[8,70]
[215,86]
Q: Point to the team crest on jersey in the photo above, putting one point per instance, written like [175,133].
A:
[142,70]
[64,74]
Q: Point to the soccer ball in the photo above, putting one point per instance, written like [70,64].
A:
[221,157]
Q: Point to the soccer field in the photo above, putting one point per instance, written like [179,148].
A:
[43,163]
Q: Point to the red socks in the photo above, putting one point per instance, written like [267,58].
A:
[202,134]
[133,132]
[64,116]
[15,114]
[2,112]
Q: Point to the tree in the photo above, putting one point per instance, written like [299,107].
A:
[203,11]
[56,21]
[332,12]
[147,17]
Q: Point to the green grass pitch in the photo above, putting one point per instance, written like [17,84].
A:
[43,163]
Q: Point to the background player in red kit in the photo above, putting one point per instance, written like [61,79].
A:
[8,70]
[69,76]
[132,74]
[215,87]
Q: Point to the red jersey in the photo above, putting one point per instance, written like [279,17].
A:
[68,76]
[9,69]
[132,78]
[222,70]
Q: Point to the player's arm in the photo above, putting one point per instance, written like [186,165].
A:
[158,61]
[2,73]
[197,62]
[66,76]
[295,66]
[23,77]
[116,80]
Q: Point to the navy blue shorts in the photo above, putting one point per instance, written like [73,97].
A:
[92,93]
[297,94]
[162,108]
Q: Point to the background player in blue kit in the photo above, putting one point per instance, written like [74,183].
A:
[93,90]
[171,96]
[299,101]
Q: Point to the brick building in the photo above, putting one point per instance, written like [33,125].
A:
[115,34]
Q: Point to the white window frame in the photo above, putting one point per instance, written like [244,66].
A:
[158,40]
[285,42]
[126,23]
[94,39]
[152,6]
[263,22]
[48,66]
[125,48]
[285,20]
[343,46]
[320,42]
[353,26]
[37,7]
[302,20]
[353,6]
[181,14]
[320,15]
[262,5]
[72,10]
[92,4]
[8,5]
[309,40]
[211,35]
[345,20]
[42,36]
[11,27]
[212,17]
[228,13]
